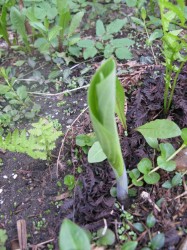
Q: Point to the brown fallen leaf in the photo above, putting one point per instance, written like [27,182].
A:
[181,160]
[61,197]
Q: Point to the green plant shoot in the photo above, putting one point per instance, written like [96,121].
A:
[102,103]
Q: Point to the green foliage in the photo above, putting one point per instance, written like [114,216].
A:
[38,144]
[3,239]
[160,128]
[173,45]
[130,245]
[150,221]
[106,43]
[105,239]
[73,237]
[96,154]
[175,181]
[102,101]
[69,181]
[18,103]
[157,241]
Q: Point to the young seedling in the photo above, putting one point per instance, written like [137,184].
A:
[102,102]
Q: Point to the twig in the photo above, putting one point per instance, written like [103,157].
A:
[60,93]
[63,141]
[146,196]
[45,242]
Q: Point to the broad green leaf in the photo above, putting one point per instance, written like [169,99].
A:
[129,245]
[89,52]
[75,22]
[18,22]
[22,92]
[131,3]
[96,153]
[167,184]
[73,237]
[100,29]
[161,129]
[184,135]
[150,221]
[152,178]
[120,103]
[85,140]
[87,43]
[54,32]
[166,165]
[145,165]
[4,89]
[123,53]
[166,150]
[153,142]
[138,21]
[107,239]
[109,49]
[102,102]
[115,26]
[122,42]
[157,241]
[138,226]
[134,173]
[38,26]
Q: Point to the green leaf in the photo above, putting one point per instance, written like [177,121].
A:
[4,89]
[152,178]
[137,183]
[102,102]
[130,245]
[153,142]
[107,239]
[38,26]
[166,165]
[131,3]
[157,241]
[155,35]
[123,53]
[96,153]
[161,129]
[85,140]
[73,237]
[184,135]
[109,49]
[22,92]
[100,29]
[54,32]
[69,180]
[177,179]
[166,150]
[122,42]
[145,165]
[143,13]
[115,26]
[89,52]
[18,22]
[138,21]
[134,173]
[86,43]
[75,22]
[150,221]
[120,103]
[167,184]
[138,226]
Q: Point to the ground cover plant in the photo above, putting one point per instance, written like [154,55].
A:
[93,151]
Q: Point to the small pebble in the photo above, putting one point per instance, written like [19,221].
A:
[5,176]
[1,190]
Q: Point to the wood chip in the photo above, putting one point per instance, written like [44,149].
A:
[22,234]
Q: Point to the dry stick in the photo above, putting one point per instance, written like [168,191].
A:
[155,169]
[63,141]
[45,242]
[60,93]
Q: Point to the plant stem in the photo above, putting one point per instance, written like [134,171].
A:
[157,168]
[122,188]
[173,86]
